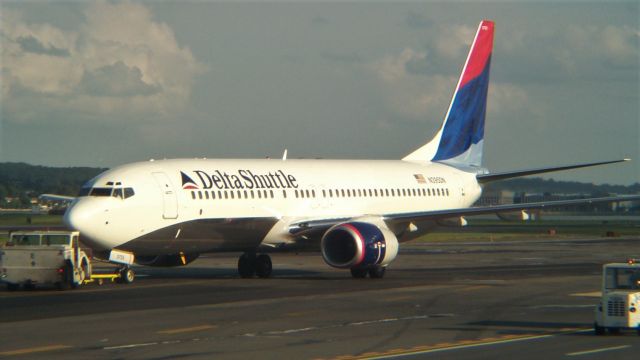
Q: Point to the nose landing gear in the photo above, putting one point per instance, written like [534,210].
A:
[249,265]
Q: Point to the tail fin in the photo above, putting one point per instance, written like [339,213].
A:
[460,138]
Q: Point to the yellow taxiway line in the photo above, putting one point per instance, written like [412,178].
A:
[186,330]
[34,350]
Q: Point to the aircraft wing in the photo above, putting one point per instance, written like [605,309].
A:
[449,213]
[54,197]
[314,226]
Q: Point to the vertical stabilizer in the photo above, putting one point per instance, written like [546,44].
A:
[460,138]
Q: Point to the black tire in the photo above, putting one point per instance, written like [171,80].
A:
[263,266]
[377,272]
[598,330]
[127,276]
[13,287]
[614,330]
[359,273]
[66,282]
[246,266]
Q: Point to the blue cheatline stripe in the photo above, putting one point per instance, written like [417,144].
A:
[465,124]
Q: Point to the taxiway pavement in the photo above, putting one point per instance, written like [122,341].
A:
[528,298]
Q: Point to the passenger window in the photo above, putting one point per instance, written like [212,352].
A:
[206,195]
[284,194]
[213,194]
[193,195]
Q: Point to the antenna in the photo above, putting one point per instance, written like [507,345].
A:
[284,156]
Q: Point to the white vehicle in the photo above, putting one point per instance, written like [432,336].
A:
[33,258]
[357,212]
[620,304]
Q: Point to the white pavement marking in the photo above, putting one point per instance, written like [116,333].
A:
[594,351]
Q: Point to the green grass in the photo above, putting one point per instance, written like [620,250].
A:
[497,230]
[25,220]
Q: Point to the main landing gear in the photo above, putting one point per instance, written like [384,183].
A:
[250,264]
[376,272]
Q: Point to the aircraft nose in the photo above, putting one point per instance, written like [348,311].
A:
[77,215]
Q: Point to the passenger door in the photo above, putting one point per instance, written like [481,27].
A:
[169,198]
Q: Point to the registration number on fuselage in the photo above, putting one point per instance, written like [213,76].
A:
[436,180]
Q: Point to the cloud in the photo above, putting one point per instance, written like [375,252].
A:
[419,94]
[417,21]
[116,80]
[31,44]
[570,52]
[118,62]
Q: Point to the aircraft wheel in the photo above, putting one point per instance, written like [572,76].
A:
[263,266]
[359,273]
[377,272]
[613,330]
[247,265]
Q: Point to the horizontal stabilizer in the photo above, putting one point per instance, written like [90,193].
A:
[485,178]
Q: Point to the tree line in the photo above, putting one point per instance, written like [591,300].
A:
[19,182]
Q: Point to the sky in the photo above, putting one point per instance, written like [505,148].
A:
[108,82]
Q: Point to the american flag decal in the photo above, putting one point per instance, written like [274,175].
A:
[420,178]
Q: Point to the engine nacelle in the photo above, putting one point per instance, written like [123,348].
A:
[166,260]
[358,245]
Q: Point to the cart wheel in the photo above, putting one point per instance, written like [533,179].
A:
[127,275]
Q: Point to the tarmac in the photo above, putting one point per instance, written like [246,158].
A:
[530,299]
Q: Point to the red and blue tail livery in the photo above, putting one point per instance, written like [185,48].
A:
[461,136]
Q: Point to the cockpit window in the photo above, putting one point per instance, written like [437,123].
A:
[117,193]
[128,192]
[100,192]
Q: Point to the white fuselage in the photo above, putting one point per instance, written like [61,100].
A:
[200,205]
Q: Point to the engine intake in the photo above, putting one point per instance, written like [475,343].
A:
[358,245]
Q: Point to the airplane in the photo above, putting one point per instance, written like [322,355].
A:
[168,212]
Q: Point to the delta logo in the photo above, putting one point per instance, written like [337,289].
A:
[188,183]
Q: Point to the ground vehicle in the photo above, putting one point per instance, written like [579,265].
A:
[619,306]
[33,258]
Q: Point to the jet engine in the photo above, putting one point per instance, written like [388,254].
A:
[166,260]
[358,245]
